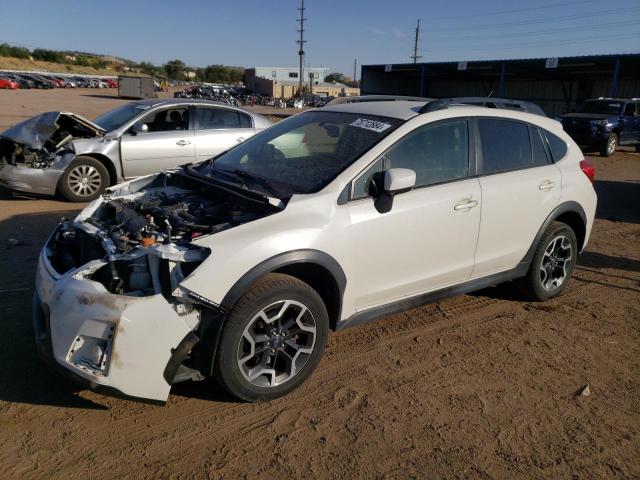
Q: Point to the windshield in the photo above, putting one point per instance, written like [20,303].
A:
[115,118]
[301,154]
[600,107]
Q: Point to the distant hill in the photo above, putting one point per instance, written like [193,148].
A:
[10,63]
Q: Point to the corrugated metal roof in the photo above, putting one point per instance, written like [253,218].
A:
[583,57]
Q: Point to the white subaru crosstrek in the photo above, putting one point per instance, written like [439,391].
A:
[237,267]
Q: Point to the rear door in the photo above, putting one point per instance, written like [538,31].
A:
[168,142]
[520,187]
[217,129]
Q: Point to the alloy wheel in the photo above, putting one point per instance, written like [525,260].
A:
[555,262]
[84,180]
[276,343]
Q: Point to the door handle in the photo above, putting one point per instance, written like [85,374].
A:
[182,143]
[465,205]
[240,139]
[547,185]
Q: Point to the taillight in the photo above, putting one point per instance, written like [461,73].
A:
[589,169]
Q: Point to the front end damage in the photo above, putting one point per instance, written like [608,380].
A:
[34,153]
[109,306]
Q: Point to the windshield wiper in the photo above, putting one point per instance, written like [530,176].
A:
[256,179]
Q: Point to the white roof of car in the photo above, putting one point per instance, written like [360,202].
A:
[402,110]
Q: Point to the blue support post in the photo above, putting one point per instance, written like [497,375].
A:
[503,70]
[614,80]
[421,89]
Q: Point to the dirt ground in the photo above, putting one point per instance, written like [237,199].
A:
[480,386]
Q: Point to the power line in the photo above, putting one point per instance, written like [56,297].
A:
[518,10]
[555,19]
[415,55]
[301,43]
[534,32]
[505,46]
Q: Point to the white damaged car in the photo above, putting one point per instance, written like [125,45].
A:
[237,267]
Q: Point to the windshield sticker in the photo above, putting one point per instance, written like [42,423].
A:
[370,125]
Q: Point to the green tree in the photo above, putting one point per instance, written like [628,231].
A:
[47,55]
[148,68]
[175,69]
[7,50]
[336,77]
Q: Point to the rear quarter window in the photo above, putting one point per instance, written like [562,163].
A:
[557,146]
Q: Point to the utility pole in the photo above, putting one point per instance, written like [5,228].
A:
[355,63]
[301,43]
[415,55]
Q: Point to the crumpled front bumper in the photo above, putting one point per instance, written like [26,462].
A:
[22,178]
[140,337]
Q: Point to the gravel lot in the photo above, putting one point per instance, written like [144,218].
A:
[479,386]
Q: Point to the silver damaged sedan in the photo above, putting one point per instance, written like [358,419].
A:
[66,153]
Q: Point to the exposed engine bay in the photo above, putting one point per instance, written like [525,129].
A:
[144,236]
[36,141]
[171,215]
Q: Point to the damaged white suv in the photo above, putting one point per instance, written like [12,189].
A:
[237,267]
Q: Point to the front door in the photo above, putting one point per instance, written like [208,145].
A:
[428,239]
[168,142]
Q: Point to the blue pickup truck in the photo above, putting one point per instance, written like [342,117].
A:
[605,123]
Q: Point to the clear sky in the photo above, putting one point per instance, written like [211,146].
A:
[263,33]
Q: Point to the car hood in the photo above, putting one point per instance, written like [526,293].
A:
[35,132]
[586,116]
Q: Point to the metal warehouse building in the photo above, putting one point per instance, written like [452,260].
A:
[556,84]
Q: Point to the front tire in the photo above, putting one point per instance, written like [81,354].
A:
[552,265]
[608,147]
[84,180]
[272,340]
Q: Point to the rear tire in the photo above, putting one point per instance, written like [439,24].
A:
[608,147]
[272,340]
[552,264]
[84,180]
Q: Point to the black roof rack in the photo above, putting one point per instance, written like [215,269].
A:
[489,102]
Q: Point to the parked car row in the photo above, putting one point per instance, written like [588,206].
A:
[14,80]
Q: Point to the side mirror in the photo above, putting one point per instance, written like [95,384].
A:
[139,127]
[396,180]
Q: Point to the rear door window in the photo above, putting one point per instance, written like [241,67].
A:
[220,119]
[505,145]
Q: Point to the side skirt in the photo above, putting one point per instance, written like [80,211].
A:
[430,297]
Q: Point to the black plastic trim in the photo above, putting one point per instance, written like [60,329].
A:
[566,207]
[282,260]
[430,297]
[178,356]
